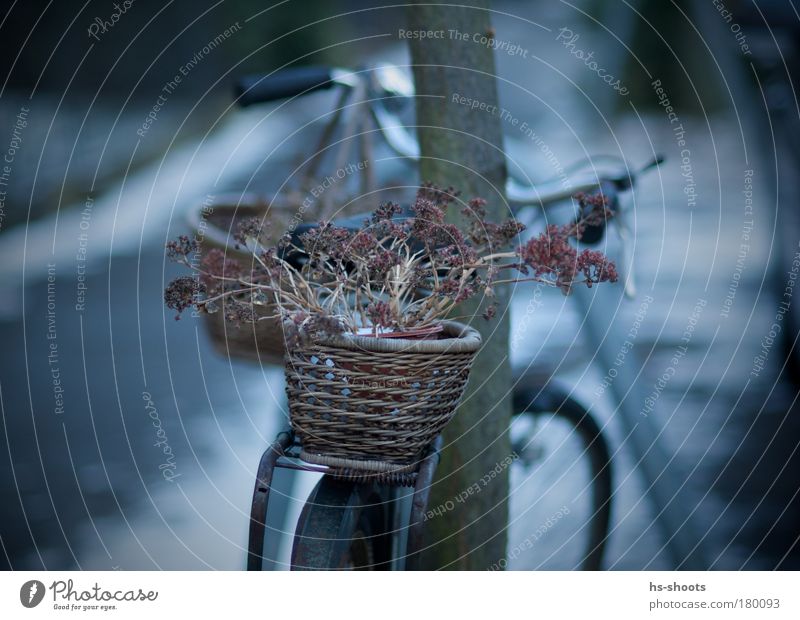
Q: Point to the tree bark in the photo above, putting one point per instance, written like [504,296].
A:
[461,145]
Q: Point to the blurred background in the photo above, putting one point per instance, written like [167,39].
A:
[107,156]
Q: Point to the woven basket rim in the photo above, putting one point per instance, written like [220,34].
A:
[463,339]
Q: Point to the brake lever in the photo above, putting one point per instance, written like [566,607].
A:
[612,187]
[624,231]
[628,275]
[627,181]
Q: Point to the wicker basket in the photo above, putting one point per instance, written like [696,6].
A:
[365,403]
[215,223]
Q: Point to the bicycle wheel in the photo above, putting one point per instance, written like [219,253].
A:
[553,400]
[343,526]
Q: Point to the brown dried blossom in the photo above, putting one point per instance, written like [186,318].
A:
[180,249]
[252,229]
[183,293]
[217,267]
[393,272]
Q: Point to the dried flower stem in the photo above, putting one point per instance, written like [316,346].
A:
[376,276]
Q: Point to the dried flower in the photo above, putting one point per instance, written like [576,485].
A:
[217,267]
[237,311]
[381,261]
[596,267]
[327,242]
[182,293]
[181,248]
[252,229]
[313,327]
[428,218]
[386,211]
[393,272]
[439,197]
[551,255]
[380,314]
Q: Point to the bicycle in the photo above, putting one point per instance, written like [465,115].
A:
[359,522]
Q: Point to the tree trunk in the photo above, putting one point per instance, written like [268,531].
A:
[462,146]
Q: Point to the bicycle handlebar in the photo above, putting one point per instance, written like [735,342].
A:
[295,81]
[253,89]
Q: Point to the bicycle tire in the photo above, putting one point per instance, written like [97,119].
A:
[556,401]
[343,526]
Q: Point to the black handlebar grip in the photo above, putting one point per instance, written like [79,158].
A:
[594,234]
[285,83]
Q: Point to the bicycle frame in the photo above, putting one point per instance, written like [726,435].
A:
[282,454]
